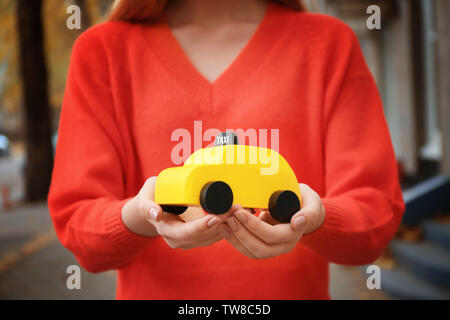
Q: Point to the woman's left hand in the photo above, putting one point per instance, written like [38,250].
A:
[263,237]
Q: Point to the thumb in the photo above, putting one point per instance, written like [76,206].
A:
[147,207]
[150,210]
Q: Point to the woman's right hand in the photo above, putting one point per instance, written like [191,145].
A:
[143,216]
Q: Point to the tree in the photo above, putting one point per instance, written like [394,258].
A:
[37,117]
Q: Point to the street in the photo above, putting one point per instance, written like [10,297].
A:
[33,263]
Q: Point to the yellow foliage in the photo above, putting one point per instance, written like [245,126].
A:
[58,44]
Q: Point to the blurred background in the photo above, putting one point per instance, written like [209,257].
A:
[409,57]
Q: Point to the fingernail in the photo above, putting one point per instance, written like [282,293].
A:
[153,214]
[232,224]
[224,232]
[299,221]
[212,222]
[241,217]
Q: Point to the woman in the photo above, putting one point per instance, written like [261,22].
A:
[156,67]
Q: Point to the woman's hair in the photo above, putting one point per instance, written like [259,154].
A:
[147,10]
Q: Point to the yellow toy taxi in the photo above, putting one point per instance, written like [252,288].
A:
[216,177]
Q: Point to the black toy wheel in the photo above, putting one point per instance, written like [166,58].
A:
[174,209]
[216,197]
[283,205]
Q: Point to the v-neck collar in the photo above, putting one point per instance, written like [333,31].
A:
[178,65]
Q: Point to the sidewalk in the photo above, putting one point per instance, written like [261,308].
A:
[33,264]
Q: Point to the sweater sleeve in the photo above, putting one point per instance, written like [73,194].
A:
[363,199]
[87,190]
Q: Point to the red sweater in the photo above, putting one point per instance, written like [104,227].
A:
[130,86]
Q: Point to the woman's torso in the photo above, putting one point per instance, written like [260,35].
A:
[274,91]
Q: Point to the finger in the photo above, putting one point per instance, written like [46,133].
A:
[270,234]
[168,224]
[253,244]
[211,236]
[267,217]
[229,213]
[150,210]
[311,205]
[194,231]
[233,209]
[192,213]
[284,248]
[217,237]
[309,197]
[148,189]
[205,242]
[174,227]
[226,233]
[146,206]
[235,243]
